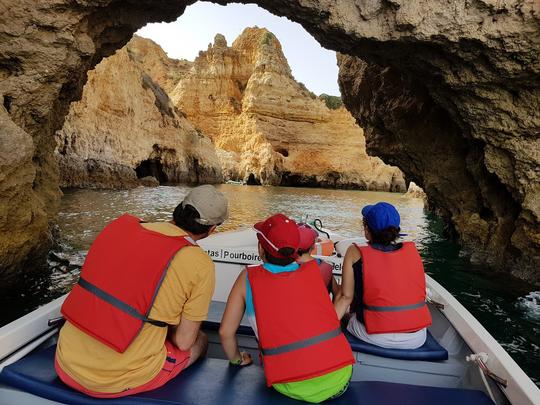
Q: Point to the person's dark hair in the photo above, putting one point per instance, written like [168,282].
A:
[386,236]
[184,217]
[278,261]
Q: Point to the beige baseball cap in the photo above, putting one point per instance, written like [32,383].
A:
[210,203]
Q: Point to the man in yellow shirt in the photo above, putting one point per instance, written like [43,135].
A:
[156,354]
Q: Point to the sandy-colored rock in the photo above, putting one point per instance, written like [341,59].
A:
[274,131]
[46,48]
[149,181]
[246,99]
[475,64]
[125,127]
[163,70]
[413,191]
[23,217]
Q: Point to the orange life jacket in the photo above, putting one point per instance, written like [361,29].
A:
[299,332]
[394,290]
[119,281]
[323,248]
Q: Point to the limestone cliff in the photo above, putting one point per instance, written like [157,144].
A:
[46,48]
[21,212]
[246,99]
[474,64]
[154,61]
[125,127]
[461,117]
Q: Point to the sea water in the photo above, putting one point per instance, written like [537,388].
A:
[508,308]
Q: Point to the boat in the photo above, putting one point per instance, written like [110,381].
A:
[461,363]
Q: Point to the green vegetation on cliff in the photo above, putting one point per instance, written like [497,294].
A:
[332,102]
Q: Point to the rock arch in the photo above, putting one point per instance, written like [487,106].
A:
[450,94]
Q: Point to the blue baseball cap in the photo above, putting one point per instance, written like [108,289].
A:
[381,216]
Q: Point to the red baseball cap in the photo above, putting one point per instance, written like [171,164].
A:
[308,236]
[278,232]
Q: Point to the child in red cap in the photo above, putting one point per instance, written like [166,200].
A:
[308,237]
[305,355]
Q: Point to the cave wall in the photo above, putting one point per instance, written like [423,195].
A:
[410,130]
[468,69]
[46,48]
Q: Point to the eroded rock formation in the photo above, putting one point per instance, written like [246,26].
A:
[46,49]
[125,127]
[475,66]
[22,213]
[462,119]
[246,99]
[268,129]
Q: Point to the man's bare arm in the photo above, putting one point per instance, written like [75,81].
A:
[185,334]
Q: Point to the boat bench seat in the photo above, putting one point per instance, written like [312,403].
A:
[213,381]
[431,350]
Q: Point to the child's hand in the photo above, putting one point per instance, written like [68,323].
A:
[244,360]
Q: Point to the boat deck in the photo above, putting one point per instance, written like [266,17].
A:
[454,372]
[212,381]
[375,379]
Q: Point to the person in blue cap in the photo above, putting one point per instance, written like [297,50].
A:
[383,285]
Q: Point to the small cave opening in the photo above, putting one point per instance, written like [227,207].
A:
[289,179]
[153,168]
[7,103]
[282,151]
[252,180]
[487,214]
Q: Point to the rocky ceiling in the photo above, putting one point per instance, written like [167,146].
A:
[448,90]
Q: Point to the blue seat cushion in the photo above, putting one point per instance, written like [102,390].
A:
[213,381]
[431,350]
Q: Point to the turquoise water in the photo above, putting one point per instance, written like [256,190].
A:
[508,308]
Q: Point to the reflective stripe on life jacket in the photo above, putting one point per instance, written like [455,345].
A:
[299,332]
[119,282]
[394,290]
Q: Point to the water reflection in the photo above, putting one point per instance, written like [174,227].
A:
[85,212]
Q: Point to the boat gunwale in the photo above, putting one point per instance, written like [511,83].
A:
[520,389]
[22,331]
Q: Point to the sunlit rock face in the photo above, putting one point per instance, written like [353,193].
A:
[125,127]
[475,65]
[275,130]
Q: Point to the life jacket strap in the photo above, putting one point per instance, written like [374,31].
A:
[395,308]
[115,302]
[301,343]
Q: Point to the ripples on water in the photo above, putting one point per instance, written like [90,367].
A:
[509,309]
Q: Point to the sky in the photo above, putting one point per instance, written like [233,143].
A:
[311,64]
